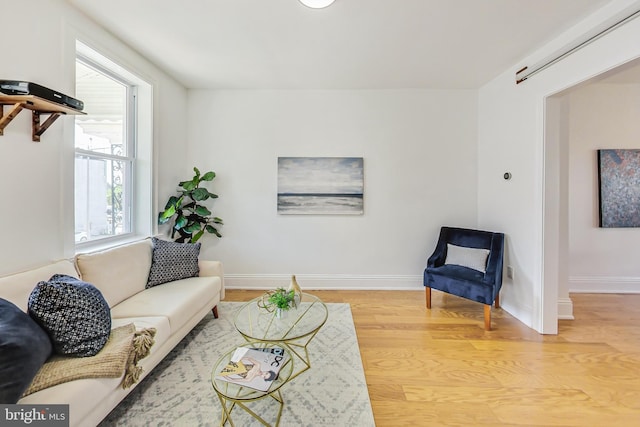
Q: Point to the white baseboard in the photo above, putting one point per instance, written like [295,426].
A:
[565,309]
[605,285]
[324,281]
[518,310]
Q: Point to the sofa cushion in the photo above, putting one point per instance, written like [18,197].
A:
[17,287]
[467,257]
[177,300]
[73,313]
[24,347]
[119,272]
[172,261]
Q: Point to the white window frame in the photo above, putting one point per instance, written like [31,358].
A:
[139,149]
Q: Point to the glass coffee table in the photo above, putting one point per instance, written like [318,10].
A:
[294,330]
[232,395]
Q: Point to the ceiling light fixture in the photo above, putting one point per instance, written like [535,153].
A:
[316,4]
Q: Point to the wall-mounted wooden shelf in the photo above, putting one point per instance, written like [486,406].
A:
[37,106]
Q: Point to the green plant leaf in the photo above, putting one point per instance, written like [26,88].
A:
[161,219]
[167,214]
[181,221]
[197,171]
[188,185]
[213,230]
[200,194]
[193,227]
[208,176]
[173,201]
[172,205]
[202,211]
[197,236]
[217,220]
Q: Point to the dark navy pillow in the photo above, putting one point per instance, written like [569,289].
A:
[24,347]
[74,313]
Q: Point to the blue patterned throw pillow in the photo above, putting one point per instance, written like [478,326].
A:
[74,314]
[172,261]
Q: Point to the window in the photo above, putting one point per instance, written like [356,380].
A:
[110,191]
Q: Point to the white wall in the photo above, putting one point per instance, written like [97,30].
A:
[512,137]
[600,259]
[419,150]
[37,189]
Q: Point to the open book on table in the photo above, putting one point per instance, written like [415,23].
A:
[256,368]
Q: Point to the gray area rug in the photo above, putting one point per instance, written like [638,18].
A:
[178,392]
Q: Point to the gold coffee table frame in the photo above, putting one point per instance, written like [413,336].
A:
[294,331]
[232,395]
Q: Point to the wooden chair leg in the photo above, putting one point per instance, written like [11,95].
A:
[428,296]
[497,302]
[214,310]
[487,317]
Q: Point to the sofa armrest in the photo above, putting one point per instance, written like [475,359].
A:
[213,268]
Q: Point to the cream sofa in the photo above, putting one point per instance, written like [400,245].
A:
[121,273]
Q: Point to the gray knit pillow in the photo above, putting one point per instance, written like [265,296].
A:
[74,314]
[467,257]
[172,261]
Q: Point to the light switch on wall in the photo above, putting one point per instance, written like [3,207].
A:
[510,272]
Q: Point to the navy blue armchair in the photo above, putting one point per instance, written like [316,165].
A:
[467,263]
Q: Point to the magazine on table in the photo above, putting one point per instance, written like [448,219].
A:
[256,368]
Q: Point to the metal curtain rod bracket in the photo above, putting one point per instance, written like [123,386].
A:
[606,27]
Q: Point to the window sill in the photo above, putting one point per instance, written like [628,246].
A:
[107,243]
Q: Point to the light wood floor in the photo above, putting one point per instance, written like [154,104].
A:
[440,368]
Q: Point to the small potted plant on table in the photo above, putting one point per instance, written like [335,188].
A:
[280,300]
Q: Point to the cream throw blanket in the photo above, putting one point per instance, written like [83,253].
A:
[119,356]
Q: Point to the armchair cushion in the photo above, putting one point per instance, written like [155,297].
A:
[460,281]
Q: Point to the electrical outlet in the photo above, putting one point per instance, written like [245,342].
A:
[510,272]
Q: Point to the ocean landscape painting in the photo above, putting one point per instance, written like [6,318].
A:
[619,176]
[320,185]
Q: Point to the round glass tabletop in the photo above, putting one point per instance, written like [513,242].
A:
[255,322]
[243,392]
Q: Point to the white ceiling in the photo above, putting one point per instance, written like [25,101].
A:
[352,44]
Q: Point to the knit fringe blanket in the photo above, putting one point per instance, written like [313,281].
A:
[118,358]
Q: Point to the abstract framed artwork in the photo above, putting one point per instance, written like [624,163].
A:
[320,185]
[619,188]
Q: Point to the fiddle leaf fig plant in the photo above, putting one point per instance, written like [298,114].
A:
[191,218]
